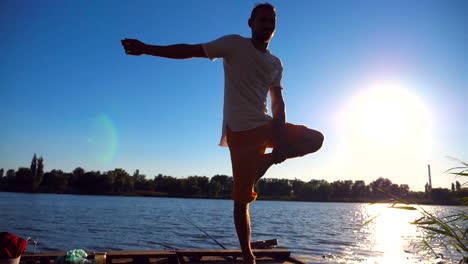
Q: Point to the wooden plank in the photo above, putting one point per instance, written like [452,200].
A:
[135,253]
[45,254]
[140,256]
[295,260]
[169,255]
[221,260]
[262,244]
[274,253]
[123,253]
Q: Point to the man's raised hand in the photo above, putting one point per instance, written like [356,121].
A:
[133,47]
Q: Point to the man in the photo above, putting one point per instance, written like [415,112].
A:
[251,72]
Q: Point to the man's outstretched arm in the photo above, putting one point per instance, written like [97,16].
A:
[178,51]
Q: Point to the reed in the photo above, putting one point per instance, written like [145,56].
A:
[446,229]
[450,232]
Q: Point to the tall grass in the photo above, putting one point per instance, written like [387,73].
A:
[449,232]
[444,231]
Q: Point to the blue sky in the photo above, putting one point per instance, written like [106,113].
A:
[385,81]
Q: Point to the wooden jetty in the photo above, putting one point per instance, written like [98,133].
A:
[263,252]
[186,256]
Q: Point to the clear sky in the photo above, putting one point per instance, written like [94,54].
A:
[385,81]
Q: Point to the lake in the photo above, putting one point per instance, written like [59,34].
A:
[314,232]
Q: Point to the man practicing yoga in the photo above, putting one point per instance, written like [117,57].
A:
[250,72]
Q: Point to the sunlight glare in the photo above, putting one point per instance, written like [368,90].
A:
[384,126]
[392,233]
[387,114]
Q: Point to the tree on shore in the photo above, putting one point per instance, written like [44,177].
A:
[220,186]
[119,182]
[37,172]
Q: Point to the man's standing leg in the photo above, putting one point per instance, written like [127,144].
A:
[243,194]
[243,229]
[246,152]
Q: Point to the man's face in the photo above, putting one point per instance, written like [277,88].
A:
[263,25]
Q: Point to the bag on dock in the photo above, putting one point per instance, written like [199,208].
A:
[74,256]
[11,248]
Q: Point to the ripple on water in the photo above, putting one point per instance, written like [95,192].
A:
[316,232]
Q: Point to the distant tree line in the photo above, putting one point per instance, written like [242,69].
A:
[119,182]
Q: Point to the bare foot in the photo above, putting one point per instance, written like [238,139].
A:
[249,260]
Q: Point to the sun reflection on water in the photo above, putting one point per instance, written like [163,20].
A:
[391,234]
[383,234]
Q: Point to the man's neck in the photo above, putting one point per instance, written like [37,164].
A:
[260,45]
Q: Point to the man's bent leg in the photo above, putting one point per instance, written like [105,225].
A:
[264,164]
[302,140]
[243,229]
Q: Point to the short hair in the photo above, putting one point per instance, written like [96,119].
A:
[260,6]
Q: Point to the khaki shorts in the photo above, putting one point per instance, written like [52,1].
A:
[247,149]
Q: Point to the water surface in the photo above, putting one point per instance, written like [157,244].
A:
[316,232]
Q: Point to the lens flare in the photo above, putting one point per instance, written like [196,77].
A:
[102,140]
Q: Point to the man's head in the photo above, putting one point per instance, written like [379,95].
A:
[262,21]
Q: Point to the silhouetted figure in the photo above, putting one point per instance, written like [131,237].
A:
[251,72]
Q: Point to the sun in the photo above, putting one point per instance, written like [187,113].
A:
[384,130]
[386,115]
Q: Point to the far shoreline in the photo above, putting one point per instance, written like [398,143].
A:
[260,198]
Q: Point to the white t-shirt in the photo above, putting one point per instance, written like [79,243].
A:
[248,76]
